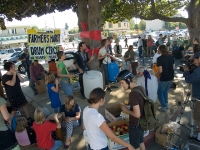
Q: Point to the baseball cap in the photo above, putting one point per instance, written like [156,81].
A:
[196,55]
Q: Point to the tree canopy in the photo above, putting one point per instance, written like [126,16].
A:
[142,25]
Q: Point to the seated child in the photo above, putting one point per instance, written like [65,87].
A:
[43,129]
[24,134]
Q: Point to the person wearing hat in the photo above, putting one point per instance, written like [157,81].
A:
[26,62]
[136,102]
[194,79]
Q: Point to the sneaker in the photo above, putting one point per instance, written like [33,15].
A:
[162,109]
[18,113]
[113,86]
[195,139]
[109,89]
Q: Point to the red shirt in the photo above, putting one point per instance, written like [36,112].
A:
[43,134]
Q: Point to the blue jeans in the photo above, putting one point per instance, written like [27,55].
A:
[57,144]
[66,87]
[105,69]
[140,51]
[163,88]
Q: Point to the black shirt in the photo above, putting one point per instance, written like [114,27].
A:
[82,60]
[167,63]
[144,42]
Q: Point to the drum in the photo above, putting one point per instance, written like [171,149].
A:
[58,132]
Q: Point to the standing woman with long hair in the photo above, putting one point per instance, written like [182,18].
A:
[149,46]
[165,65]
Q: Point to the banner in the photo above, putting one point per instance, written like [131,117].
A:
[42,45]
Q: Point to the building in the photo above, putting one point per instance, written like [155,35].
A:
[124,25]
[13,36]
[155,25]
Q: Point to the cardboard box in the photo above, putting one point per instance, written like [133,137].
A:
[112,113]
[162,138]
[42,87]
[112,145]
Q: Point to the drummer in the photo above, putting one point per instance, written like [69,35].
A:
[71,117]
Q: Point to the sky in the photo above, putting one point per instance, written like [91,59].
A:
[60,18]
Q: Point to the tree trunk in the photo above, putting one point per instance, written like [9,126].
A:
[82,14]
[94,23]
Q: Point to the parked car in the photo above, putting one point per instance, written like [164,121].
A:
[68,62]
[11,58]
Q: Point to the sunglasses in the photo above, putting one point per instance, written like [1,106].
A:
[196,57]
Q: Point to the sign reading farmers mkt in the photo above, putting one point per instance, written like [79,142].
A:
[42,45]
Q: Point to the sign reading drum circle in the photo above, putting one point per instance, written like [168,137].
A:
[42,45]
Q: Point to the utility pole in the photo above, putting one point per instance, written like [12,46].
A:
[54,22]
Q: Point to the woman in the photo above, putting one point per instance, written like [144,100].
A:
[71,115]
[118,49]
[95,124]
[165,65]
[11,81]
[149,46]
[7,140]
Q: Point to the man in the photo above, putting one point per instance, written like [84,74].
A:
[26,62]
[63,74]
[140,44]
[175,38]
[109,47]
[36,73]
[186,38]
[148,82]
[81,61]
[136,102]
[160,42]
[144,43]
[194,79]
[129,57]
[195,41]
[126,41]
[118,49]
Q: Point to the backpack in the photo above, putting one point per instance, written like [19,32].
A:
[157,42]
[148,121]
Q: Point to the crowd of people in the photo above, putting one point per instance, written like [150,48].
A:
[154,83]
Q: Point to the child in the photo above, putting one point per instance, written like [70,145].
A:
[95,124]
[24,134]
[43,129]
[52,87]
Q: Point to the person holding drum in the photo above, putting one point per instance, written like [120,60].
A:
[71,117]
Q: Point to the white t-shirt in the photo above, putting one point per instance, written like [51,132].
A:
[152,86]
[107,59]
[155,57]
[92,120]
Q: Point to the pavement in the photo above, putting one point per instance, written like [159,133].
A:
[117,95]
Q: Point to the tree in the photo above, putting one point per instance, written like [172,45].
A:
[170,25]
[37,29]
[142,25]
[182,25]
[132,24]
[136,26]
[155,9]
[73,31]
[88,11]
[66,26]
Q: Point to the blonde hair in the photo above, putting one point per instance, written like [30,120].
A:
[21,124]
[49,78]
[39,116]
[67,103]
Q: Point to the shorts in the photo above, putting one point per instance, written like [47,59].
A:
[136,136]
[196,114]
